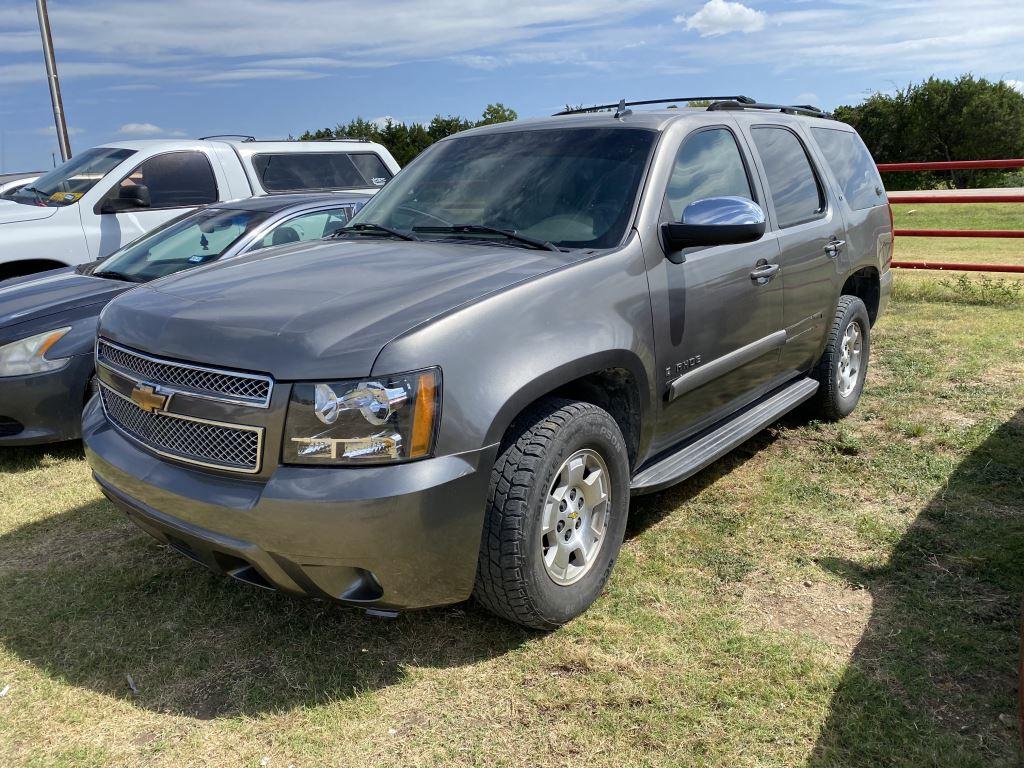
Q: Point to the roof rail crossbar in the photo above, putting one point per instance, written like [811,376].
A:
[242,136]
[623,103]
[789,109]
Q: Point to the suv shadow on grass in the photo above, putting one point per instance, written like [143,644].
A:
[90,599]
[25,458]
[934,677]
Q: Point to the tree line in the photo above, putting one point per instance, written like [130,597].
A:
[966,118]
[963,119]
[405,141]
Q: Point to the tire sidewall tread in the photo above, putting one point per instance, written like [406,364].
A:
[511,579]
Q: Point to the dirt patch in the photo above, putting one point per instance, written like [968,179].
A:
[835,614]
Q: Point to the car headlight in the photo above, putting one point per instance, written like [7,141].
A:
[25,356]
[375,421]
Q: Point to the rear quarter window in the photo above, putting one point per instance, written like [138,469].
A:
[853,167]
[293,172]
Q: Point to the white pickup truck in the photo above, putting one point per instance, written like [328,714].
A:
[106,196]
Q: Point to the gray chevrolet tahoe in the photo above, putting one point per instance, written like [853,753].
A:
[457,394]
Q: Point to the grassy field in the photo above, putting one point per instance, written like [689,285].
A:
[831,596]
[961,287]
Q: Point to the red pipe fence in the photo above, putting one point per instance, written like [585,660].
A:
[956,196]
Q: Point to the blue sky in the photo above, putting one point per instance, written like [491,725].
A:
[163,68]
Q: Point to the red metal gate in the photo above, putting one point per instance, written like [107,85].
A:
[957,196]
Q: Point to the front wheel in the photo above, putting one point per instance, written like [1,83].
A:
[844,363]
[556,514]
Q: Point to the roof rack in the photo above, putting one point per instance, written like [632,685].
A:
[621,106]
[793,109]
[242,136]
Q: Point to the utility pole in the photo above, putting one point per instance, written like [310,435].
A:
[51,76]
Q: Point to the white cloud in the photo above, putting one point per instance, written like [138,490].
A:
[720,17]
[146,129]
[1017,85]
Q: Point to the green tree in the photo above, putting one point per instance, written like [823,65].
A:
[962,119]
[406,141]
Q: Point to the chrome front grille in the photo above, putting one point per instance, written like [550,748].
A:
[199,381]
[209,444]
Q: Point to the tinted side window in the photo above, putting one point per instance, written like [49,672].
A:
[176,180]
[791,180]
[709,164]
[308,226]
[323,170]
[851,162]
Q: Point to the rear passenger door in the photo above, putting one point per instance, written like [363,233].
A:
[811,235]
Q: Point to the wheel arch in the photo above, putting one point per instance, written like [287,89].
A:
[865,284]
[25,267]
[615,380]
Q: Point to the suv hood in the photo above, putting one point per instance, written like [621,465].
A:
[313,311]
[12,213]
[36,296]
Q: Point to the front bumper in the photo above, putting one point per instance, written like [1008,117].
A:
[396,537]
[44,407]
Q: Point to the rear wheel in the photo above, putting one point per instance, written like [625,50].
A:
[556,514]
[844,363]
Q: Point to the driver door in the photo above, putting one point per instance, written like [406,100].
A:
[177,182]
[718,324]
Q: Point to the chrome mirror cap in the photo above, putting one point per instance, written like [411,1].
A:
[723,210]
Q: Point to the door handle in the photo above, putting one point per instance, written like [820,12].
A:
[763,273]
[833,246]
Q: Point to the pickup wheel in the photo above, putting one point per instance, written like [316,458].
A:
[556,514]
[844,363]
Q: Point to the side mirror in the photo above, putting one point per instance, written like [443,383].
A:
[128,198]
[714,221]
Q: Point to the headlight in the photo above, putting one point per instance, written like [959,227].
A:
[20,358]
[375,421]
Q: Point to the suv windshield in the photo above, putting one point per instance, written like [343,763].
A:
[573,187]
[197,238]
[66,183]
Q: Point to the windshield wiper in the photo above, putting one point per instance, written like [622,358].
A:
[114,275]
[367,228]
[509,234]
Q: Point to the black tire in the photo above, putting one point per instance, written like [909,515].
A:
[512,580]
[829,402]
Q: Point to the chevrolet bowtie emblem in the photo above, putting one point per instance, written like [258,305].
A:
[148,399]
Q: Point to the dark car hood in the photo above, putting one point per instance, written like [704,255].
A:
[313,311]
[36,296]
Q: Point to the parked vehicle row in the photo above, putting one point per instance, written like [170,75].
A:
[107,196]
[48,321]
[457,393]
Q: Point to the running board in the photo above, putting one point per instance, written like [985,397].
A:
[694,456]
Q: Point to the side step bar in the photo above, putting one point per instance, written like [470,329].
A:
[694,456]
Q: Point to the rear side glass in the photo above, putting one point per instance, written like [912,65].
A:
[309,226]
[709,164]
[792,183]
[853,167]
[294,172]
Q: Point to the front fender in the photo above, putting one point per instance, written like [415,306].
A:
[500,353]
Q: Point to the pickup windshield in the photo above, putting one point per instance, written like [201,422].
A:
[66,183]
[193,239]
[571,187]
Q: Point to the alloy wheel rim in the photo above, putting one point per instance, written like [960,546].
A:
[575,517]
[848,370]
